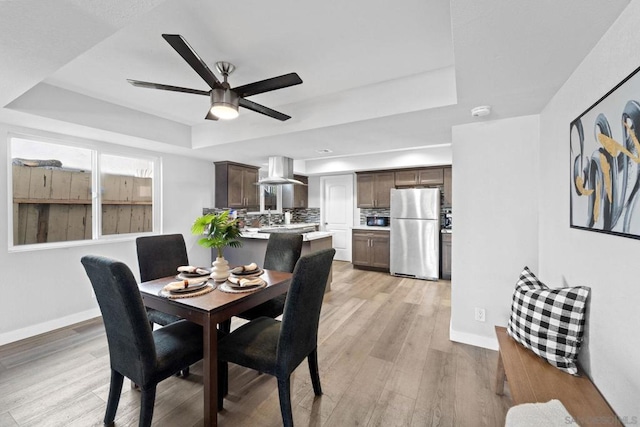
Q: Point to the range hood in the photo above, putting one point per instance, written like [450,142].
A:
[280,172]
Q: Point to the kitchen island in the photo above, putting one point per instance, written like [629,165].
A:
[254,246]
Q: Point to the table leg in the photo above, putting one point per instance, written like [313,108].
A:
[210,380]
[500,376]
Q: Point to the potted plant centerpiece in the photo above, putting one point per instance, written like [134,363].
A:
[220,231]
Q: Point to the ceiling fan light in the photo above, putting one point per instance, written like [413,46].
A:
[224,104]
[224,112]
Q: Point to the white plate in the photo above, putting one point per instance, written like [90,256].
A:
[191,288]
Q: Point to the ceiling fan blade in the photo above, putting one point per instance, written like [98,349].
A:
[150,85]
[188,54]
[267,85]
[263,110]
[210,116]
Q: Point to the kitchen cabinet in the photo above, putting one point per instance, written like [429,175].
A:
[374,189]
[370,249]
[419,177]
[236,186]
[296,196]
[445,256]
[447,188]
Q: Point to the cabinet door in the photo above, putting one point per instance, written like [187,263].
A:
[447,188]
[360,249]
[446,256]
[384,182]
[433,176]
[250,189]
[235,186]
[380,250]
[301,193]
[366,183]
[406,178]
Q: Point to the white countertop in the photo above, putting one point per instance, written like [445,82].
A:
[370,227]
[306,237]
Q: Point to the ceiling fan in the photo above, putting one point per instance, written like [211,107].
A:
[224,99]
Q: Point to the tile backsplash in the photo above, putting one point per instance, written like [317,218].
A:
[309,215]
[365,212]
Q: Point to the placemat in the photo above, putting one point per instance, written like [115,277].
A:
[226,288]
[205,290]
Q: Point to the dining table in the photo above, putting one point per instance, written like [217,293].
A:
[209,310]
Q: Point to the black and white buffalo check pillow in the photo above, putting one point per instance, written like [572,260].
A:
[550,322]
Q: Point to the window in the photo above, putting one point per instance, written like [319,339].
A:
[53,198]
[127,195]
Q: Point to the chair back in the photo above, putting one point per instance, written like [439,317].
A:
[283,251]
[160,256]
[299,329]
[131,347]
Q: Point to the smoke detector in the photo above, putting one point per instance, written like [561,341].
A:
[481,111]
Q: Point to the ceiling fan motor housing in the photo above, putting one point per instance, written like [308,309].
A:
[222,96]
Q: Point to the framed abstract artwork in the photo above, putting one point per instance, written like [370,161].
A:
[605,154]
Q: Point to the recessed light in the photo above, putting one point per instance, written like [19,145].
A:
[324,151]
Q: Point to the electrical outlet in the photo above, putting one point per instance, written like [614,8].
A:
[480,314]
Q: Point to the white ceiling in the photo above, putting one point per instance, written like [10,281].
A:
[377,75]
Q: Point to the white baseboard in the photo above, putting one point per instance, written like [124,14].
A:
[41,328]
[490,343]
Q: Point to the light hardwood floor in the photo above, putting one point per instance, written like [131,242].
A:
[384,355]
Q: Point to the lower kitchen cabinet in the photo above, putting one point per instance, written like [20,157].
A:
[370,249]
[445,256]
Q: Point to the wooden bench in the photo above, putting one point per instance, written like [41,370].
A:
[533,380]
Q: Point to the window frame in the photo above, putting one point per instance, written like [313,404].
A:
[97,150]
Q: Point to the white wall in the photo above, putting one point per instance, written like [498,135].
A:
[496,212]
[46,289]
[495,221]
[434,155]
[607,264]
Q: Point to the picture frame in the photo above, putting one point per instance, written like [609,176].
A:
[604,144]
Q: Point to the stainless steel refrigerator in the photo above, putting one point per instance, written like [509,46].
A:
[415,233]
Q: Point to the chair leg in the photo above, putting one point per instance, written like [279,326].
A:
[315,374]
[223,383]
[115,389]
[284,391]
[225,326]
[147,401]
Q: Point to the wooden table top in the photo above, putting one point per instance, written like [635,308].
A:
[217,299]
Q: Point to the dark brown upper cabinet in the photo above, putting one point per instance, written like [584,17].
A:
[296,196]
[419,177]
[236,186]
[447,188]
[374,189]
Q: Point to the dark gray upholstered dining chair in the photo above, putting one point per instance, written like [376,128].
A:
[278,347]
[282,253]
[135,351]
[160,256]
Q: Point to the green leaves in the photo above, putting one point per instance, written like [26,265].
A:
[220,231]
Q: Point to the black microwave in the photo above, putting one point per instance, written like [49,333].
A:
[378,221]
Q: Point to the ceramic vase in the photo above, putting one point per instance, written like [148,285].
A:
[220,270]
